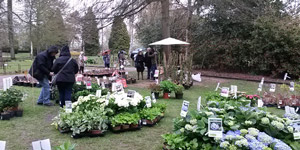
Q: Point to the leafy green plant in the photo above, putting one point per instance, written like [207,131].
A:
[154,88]
[178,89]
[125,118]
[91,61]
[177,141]
[167,86]
[161,106]
[81,93]
[10,98]
[150,113]
[66,146]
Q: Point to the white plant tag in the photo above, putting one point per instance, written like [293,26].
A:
[156,73]
[10,82]
[41,145]
[199,103]
[98,93]
[98,81]
[119,87]
[260,85]
[262,80]
[225,91]
[292,110]
[7,83]
[130,93]
[273,88]
[68,107]
[218,85]
[103,85]
[88,84]
[108,96]
[4,84]
[153,98]
[184,108]
[113,87]
[233,90]
[148,101]
[104,78]
[126,73]
[260,103]
[292,86]
[287,109]
[2,145]
[296,136]
[215,127]
[286,76]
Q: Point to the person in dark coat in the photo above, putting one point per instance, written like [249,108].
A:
[106,59]
[148,63]
[139,64]
[41,70]
[66,78]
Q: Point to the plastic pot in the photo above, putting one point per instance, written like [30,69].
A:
[5,116]
[178,95]
[95,132]
[19,113]
[134,126]
[125,126]
[156,95]
[116,128]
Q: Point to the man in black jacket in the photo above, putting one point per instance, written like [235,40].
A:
[41,70]
[66,78]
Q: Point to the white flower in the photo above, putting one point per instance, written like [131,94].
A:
[209,113]
[248,122]
[182,130]
[193,121]
[290,129]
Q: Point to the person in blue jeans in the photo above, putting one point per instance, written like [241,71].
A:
[41,70]
[66,78]
[153,56]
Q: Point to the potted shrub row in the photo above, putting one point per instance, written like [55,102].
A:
[125,121]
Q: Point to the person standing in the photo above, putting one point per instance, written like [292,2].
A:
[41,71]
[106,59]
[148,62]
[153,56]
[66,77]
[81,62]
[121,57]
[139,64]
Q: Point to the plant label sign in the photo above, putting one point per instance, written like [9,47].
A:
[79,79]
[292,86]
[68,107]
[98,93]
[98,81]
[273,88]
[286,76]
[2,145]
[225,91]
[218,85]
[260,103]
[233,90]
[199,103]
[153,98]
[292,110]
[262,81]
[119,87]
[260,86]
[296,129]
[130,93]
[184,108]
[148,101]
[41,145]
[113,87]
[103,85]
[88,84]
[108,96]
[287,109]
[156,73]
[10,82]
[215,127]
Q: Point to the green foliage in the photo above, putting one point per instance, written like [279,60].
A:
[161,106]
[177,141]
[125,118]
[154,87]
[66,146]
[119,38]
[82,93]
[150,113]
[91,61]
[178,89]
[167,86]
[90,33]
[10,98]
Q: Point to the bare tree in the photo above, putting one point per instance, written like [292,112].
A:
[10,29]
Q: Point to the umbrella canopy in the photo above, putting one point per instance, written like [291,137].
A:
[170,41]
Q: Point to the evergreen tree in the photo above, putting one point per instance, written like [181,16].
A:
[119,37]
[90,34]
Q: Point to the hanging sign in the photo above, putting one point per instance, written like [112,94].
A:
[292,86]
[153,98]
[148,101]
[68,107]
[2,145]
[260,103]
[184,108]
[98,93]
[273,88]
[218,85]
[199,103]
[41,145]
[215,127]
[225,91]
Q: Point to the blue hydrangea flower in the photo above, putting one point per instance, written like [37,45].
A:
[281,145]
[256,145]
[264,138]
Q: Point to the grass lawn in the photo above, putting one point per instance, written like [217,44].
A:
[22,63]
[35,124]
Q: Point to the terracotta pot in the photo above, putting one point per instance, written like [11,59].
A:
[96,132]
[116,128]
[150,122]
[178,95]
[125,126]
[166,96]
[134,126]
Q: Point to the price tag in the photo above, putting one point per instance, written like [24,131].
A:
[144,122]
[292,86]
[98,93]
[41,145]
[148,101]
[273,88]
[260,103]
[296,136]
[225,91]
[199,103]
[68,107]
[104,78]
[113,87]
[156,73]
[98,81]
[184,108]
[260,85]
[2,145]
[130,93]
[215,127]
[218,85]
[88,84]
[153,98]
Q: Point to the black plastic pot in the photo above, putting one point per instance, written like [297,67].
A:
[5,116]
[178,95]
[12,113]
[156,94]
[19,113]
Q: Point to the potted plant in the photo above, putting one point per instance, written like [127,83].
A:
[5,115]
[150,115]
[66,146]
[167,87]
[19,112]
[155,89]
[179,91]
[116,122]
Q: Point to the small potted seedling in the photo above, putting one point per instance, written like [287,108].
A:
[155,89]
[167,87]
[179,91]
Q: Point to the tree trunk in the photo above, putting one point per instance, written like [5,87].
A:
[166,33]
[10,29]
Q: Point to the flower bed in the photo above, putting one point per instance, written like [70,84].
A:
[271,131]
